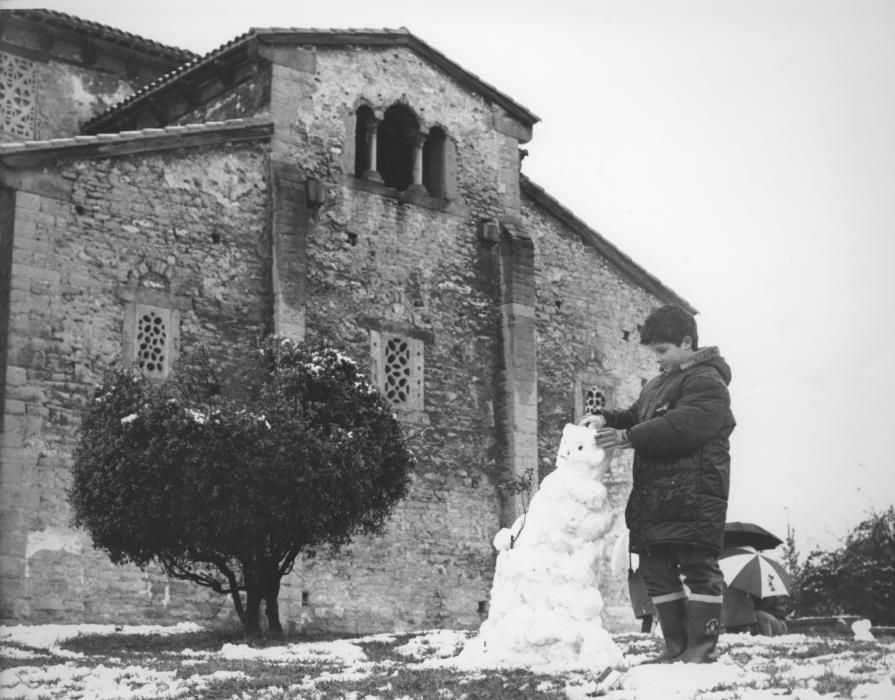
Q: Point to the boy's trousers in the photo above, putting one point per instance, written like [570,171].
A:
[662,567]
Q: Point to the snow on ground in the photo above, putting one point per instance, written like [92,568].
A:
[49,637]
[749,668]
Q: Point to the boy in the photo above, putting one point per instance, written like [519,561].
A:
[679,429]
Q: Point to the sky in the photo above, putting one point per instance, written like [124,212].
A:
[742,151]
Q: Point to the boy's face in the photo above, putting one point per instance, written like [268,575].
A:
[670,356]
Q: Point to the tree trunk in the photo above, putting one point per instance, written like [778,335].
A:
[272,608]
[271,593]
[237,604]
[252,620]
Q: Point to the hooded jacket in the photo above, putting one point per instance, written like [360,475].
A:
[679,429]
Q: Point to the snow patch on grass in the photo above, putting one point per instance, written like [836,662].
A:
[51,636]
[338,652]
[749,668]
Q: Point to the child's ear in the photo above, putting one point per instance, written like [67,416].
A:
[687,342]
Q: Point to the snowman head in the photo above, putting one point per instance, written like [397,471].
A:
[578,452]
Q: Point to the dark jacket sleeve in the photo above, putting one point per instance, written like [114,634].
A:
[699,414]
[624,419]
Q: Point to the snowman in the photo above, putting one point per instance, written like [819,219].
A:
[545,611]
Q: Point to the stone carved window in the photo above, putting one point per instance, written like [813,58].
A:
[17,98]
[151,342]
[594,392]
[151,329]
[594,400]
[397,370]
[397,364]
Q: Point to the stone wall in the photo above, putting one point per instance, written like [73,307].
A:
[192,223]
[57,97]
[69,95]
[378,263]
[588,315]
[7,217]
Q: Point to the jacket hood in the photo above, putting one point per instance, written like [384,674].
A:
[710,356]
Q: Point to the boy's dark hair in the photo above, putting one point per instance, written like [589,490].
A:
[669,324]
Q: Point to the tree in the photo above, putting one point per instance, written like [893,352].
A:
[791,564]
[856,579]
[227,488]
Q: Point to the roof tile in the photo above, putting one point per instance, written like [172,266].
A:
[111,33]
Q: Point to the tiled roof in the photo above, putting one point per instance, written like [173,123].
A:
[622,262]
[323,37]
[61,19]
[172,135]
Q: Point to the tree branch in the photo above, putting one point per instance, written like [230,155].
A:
[288,562]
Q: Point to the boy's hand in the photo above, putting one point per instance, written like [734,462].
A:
[592,420]
[610,438]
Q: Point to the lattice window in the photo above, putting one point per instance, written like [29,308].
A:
[594,400]
[17,98]
[594,392]
[151,342]
[398,368]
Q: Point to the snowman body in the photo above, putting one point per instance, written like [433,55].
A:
[545,609]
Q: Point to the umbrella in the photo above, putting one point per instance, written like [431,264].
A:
[754,572]
[737,534]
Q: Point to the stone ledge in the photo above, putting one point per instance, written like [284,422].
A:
[130,142]
[408,196]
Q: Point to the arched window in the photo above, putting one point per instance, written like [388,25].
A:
[395,147]
[434,166]
[364,119]
[394,151]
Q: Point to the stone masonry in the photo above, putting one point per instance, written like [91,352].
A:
[226,195]
[76,263]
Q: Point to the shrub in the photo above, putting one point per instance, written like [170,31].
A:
[226,492]
[856,579]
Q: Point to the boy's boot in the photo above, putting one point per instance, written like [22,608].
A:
[703,627]
[673,621]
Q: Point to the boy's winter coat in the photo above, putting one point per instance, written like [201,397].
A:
[679,429]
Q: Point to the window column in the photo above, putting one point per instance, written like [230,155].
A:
[419,141]
[372,127]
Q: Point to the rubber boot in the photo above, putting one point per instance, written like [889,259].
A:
[673,621]
[703,627]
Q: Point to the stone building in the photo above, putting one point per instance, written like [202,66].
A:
[353,186]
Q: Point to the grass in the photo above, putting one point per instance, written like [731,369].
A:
[35,658]
[442,683]
[379,651]
[838,686]
[387,673]
[383,675]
